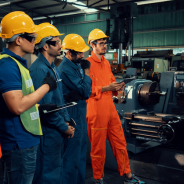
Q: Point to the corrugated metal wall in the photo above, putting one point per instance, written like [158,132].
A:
[159,30]
[83,24]
[154,30]
[157,25]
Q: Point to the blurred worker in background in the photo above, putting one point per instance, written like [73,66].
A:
[76,87]
[102,117]
[20,128]
[49,157]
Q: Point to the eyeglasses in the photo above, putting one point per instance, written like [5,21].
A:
[53,43]
[30,38]
[102,44]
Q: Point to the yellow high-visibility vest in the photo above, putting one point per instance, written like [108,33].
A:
[30,118]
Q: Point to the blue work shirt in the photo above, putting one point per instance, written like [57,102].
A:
[74,79]
[12,133]
[38,71]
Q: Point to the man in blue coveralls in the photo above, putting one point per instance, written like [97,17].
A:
[49,158]
[19,117]
[76,87]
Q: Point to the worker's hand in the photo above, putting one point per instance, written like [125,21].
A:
[70,131]
[85,64]
[87,72]
[115,86]
[72,96]
[122,86]
[49,79]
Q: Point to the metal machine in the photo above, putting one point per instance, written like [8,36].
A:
[152,115]
[149,64]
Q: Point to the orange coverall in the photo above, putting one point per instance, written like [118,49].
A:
[0,152]
[103,120]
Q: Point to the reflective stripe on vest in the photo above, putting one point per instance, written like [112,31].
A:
[30,118]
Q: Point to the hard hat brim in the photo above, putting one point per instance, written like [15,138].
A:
[98,39]
[85,49]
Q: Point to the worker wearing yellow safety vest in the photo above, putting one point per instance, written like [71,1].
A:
[20,128]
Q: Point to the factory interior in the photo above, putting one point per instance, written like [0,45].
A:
[145,50]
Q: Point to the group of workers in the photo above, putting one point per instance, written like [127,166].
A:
[50,148]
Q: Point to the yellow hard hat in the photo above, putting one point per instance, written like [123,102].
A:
[15,23]
[96,34]
[74,42]
[46,30]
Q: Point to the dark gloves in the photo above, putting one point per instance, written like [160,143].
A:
[72,122]
[47,107]
[85,64]
[49,79]
[72,96]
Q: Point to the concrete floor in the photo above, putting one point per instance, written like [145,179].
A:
[111,177]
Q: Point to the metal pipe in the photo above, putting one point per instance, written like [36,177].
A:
[146,135]
[150,118]
[140,130]
[120,54]
[143,125]
[129,52]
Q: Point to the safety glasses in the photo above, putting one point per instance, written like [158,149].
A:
[53,43]
[30,38]
[102,44]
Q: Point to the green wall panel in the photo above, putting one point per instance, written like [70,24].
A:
[91,17]
[81,29]
[105,15]
[79,18]
[159,21]
[159,39]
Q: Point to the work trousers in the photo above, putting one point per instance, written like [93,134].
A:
[105,124]
[49,162]
[74,161]
[19,165]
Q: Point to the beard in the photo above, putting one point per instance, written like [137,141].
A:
[76,60]
[55,54]
[100,52]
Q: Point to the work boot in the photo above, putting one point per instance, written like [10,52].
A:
[133,180]
[99,181]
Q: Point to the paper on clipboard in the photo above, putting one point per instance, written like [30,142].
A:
[60,107]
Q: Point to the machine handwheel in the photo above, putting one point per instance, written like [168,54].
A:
[166,132]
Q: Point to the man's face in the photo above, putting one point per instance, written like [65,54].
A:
[77,58]
[99,46]
[54,46]
[27,42]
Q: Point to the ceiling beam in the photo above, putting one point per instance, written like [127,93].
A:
[48,6]
[95,3]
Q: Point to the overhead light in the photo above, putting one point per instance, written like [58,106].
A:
[3,4]
[83,7]
[71,1]
[38,18]
[64,14]
[151,1]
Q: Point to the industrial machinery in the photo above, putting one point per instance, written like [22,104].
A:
[152,115]
[149,64]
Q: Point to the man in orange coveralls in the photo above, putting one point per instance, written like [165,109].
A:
[102,117]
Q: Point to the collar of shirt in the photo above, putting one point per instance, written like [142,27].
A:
[41,57]
[73,65]
[93,55]
[21,60]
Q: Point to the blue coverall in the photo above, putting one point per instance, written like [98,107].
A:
[74,162]
[50,155]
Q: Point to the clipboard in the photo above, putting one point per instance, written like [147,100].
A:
[60,107]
